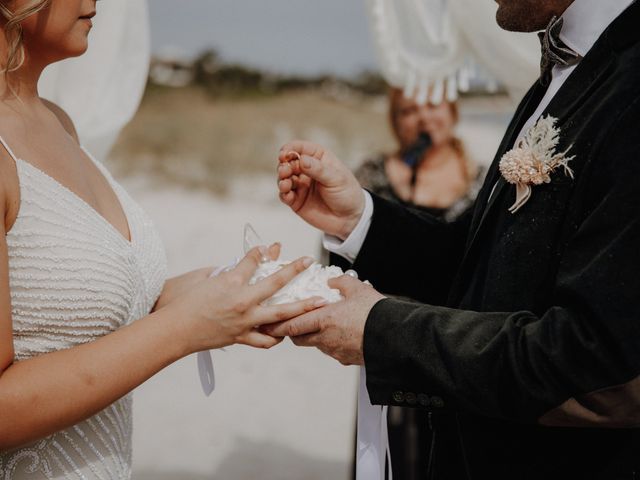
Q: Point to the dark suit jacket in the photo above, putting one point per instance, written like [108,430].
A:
[527,348]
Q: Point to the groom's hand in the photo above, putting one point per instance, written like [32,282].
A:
[337,329]
[319,188]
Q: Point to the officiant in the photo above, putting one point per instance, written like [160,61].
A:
[430,168]
[523,347]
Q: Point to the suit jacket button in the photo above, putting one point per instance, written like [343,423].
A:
[437,402]
[424,400]
[411,398]
[398,397]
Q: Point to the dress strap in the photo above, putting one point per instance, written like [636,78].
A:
[8,149]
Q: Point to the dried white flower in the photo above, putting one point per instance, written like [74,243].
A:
[534,159]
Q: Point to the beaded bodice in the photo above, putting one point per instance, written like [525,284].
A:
[74,278]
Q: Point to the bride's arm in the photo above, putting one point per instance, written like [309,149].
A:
[53,391]
[176,286]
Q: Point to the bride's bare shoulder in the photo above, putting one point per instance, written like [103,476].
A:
[63,118]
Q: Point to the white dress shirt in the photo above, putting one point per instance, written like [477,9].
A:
[584,23]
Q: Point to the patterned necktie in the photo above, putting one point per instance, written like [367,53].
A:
[555,51]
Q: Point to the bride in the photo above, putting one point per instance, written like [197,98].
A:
[85,312]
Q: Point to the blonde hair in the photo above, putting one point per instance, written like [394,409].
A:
[13,31]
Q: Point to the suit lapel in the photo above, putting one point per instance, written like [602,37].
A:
[491,189]
[586,78]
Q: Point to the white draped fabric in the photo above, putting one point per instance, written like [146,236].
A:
[102,89]
[435,45]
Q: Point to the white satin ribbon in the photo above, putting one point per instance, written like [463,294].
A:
[206,372]
[373,438]
[523,194]
[205,362]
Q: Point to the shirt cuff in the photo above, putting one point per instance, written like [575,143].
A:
[350,248]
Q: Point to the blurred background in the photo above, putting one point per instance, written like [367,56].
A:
[229,81]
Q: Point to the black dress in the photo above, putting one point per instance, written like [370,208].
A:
[372,176]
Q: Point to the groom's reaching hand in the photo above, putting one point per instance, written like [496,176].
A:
[319,188]
[337,329]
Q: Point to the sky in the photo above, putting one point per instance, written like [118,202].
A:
[282,36]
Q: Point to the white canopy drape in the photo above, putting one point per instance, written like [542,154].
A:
[435,45]
[102,89]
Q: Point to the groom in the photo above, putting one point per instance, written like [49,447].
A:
[526,348]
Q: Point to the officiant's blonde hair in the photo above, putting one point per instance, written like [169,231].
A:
[13,31]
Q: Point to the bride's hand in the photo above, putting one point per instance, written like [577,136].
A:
[177,286]
[319,188]
[225,310]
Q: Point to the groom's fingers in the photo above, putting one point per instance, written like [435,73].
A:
[260,340]
[285,170]
[300,196]
[310,340]
[317,170]
[285,185]
[300,147]
[347,284]
[279,313]
[288,154]
[288,198]
[303,325]
[267,287]
[302,181]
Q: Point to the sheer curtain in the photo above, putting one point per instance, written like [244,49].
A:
[437,46]
[102,89]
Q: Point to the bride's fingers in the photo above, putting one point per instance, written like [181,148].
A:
[274,251]
[267,287]
[249,264]
[260,340]
[280,313]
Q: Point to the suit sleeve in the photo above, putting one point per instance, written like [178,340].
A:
[411,253]
[576,364]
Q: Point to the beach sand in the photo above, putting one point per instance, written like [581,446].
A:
[287,413]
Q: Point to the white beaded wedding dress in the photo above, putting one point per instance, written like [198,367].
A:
[74,278]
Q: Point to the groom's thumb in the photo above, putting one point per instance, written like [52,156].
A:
[315,169]
[346,284]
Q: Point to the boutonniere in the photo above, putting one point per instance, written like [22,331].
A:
[534,159]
